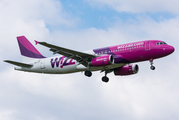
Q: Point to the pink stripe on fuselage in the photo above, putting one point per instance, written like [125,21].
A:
[124,46]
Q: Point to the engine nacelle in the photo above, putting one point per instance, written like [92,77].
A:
[102,60]
[127,70]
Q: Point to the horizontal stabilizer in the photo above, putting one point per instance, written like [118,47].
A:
[18,63]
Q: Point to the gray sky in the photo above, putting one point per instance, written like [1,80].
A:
[84,25]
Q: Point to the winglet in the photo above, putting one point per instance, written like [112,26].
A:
[36,42]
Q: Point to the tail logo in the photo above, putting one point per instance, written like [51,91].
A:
[27,49]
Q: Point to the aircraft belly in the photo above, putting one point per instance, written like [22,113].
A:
[67,69]
[61,70]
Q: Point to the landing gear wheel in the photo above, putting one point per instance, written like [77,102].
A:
[152,67]
[151,63]
[105,79]
[88,73]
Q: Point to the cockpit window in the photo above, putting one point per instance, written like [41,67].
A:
[161,43]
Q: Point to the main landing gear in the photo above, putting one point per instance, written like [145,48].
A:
[88,73]
[151,63]
[105,78]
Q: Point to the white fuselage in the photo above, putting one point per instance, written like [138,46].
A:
[61,65]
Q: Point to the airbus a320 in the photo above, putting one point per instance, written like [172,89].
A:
[118,59]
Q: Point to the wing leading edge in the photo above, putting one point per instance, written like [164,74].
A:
[81,57]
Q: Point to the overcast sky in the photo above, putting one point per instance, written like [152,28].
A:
[83,25]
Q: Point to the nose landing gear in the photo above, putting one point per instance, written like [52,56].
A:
[152,67]
[151,63]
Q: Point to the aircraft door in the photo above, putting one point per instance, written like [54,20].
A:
[147,45]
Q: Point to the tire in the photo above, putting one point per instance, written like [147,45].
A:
[105,79]
[88,73]
[152,68]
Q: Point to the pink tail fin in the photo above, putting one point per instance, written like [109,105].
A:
[27,49]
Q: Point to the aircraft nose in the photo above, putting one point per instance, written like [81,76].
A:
[170,49]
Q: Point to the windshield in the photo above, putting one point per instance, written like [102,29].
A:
[161,43]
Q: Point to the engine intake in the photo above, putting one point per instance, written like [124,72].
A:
[127,70]
[102,60]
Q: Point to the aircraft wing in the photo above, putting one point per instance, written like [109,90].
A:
[76,55]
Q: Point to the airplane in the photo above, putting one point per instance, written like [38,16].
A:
[118,59]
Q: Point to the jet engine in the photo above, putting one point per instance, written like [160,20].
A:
[102,60]
[127,70]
